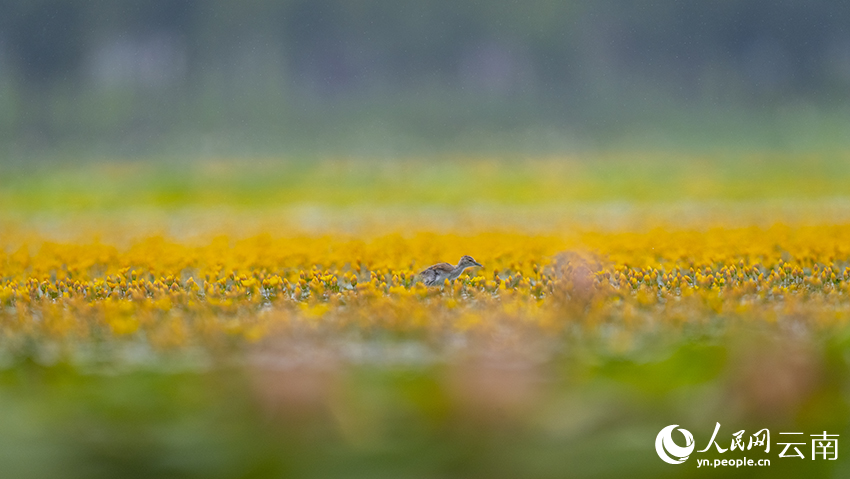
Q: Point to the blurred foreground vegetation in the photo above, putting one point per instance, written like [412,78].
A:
[578,414]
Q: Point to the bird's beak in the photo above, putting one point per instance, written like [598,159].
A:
[478,264]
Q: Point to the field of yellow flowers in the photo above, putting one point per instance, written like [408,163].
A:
[280,313]
[176,293]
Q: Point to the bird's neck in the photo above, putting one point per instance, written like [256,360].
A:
[458,270]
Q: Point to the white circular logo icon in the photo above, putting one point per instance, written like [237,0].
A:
[669,451]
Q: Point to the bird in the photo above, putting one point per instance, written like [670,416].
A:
[436,274]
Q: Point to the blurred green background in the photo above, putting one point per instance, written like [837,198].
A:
[370,78]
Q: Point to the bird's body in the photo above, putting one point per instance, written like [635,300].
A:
[440,272]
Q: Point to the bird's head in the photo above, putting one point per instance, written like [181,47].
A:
[467,261]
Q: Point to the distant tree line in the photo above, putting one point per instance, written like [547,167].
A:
[796,41]
[334,49]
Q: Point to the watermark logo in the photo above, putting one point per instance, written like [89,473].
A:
[666,447]
[824,446]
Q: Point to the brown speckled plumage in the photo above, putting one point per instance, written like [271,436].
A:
[436,274]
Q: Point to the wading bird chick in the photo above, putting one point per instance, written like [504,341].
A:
[435,275]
